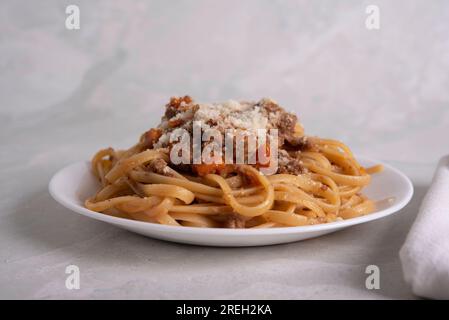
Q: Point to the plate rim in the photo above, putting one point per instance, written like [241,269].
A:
[396,207]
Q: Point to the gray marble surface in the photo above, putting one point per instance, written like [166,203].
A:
[66,93]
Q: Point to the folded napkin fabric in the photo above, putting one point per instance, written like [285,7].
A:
[425,253]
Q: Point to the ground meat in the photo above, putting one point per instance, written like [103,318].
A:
[180,112]
[293,166]
[298,143]
[287,122]
[211,122]
[279,119]
[270,106]
[150,137]
[159,166]
[175,123]
[289,164]
[175,105]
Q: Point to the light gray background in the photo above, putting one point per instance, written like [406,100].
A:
[64,94]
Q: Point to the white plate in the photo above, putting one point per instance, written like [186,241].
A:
[74,183]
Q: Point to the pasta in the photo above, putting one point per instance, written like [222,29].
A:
[317,180]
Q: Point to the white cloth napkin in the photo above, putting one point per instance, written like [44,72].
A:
[425,253]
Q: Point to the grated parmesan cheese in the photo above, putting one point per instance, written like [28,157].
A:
[232,115]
